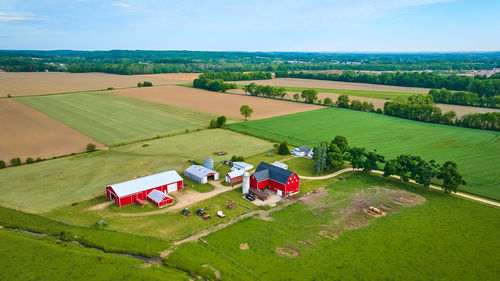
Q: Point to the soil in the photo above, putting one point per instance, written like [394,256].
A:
[328,234]
[216,272]
[26,132]
[100,206]
[217,103]
[244,246]
[37,83]
[287,252]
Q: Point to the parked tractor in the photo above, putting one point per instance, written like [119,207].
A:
[200,212]
[186,212]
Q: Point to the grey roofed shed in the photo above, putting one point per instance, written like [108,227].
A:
[200,174]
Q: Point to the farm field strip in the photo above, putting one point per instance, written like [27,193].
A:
[46,185]
[26,132]
[323,84]
[470,149]
[112,119]
[217,103]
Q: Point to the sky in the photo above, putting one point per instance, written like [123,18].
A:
[252,25]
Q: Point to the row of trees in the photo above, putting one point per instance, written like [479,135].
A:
[332,156]
[264,91]
[216,85]
[464,98]
[484,87]
[220,122]
[238,76]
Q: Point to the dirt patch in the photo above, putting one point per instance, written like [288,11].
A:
[328,234]
[100,206]
[287,252]
[26,132]
[244,246]
[218,103]
[216,272]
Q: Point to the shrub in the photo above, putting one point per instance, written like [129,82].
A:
[379,111]
[100,225]
[237,158]
[38,159]
[110,88]
[221,121]
[147,84]
[15,161]
[140,84]
[213,124]
[29,160]
[283,148]
[90,147]
[9,96]
[2,164]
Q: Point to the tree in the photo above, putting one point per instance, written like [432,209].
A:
[320,158]
[250,88]
[343,101]
[213,124]
[15,161]
[139,84]
[2,164]
[29,160]
[341,143]
[450,176]
[237,158]
[357,157]
[283,148]
[334,157]
[328,101]
[296,97]
[449,118]
[355,104]
[90,147]
[372,158]
[310,95]
[246,111]
[147,84]
[221,121]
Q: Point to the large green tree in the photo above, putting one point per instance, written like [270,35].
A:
[450,176]
[310,95]
[246,111]
[343,101]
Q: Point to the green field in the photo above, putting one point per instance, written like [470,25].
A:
[113,119]
[475,151]
[26,257]
[444,238]
[49,184]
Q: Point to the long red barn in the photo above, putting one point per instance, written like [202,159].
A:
[128,192]
[281,181]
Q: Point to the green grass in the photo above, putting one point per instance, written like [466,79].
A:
[113,119]
[205,187]
[26,257]
[53,183]
[475,151]
[447,238]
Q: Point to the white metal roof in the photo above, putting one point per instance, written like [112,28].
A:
[243,165]
[280,165]
[157,196]
[236,173]
[145,183]
[200,171]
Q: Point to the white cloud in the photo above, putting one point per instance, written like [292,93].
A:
[122,5]
[16,17]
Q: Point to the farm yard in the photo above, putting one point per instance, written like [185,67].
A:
[113,119]
[213,102]
[41,83]
[330,234]
[59,182]
[471,149]
[26,132]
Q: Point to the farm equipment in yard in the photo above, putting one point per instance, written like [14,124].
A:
[231,205]
[374,210]
[200,212]
[186,212]
[206,217]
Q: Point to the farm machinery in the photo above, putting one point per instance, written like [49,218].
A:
[186,212]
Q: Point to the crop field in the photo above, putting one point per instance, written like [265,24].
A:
[184,77]
[26,132]
[329,235]
[473,150]
[113,119]
[39,83]
[27,257]
[46,185]
[323,84]
[217,103]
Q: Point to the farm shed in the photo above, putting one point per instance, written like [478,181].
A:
[200,174]
[234,176]
[302,151]
[281,181]
[280,165]
[128,192]
[159,198]
[241,166]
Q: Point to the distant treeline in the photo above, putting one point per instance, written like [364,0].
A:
[484,87]
[149,62]
[464,98]
[214,81]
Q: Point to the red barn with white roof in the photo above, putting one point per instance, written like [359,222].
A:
[128,192]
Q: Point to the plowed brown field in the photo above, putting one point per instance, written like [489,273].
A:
[25,132]
[323,84]
[186,77]
[218,103]
[37,83]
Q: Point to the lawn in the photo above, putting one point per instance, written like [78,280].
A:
[113,119]
[53,183]
[26,257]
[475,151]
[445,237]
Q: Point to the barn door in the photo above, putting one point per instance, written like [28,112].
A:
[172,187]
[280,193]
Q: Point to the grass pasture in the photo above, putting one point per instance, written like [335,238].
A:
[112,119]
[475,151]
[46,185]
[445,237]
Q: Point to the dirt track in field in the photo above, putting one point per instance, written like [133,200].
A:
[38,83]
[218,103]
[323,84]
[25,132]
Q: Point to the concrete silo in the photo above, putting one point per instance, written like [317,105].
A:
[246,183]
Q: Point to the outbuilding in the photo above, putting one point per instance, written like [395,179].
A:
[235,176]
[159,198]
[200,174]
[128,192]
[281,181]
[241,166]
[280,165]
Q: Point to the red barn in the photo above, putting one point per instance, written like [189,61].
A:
[128,192]
[281,181]
[159,198]
[235,176]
